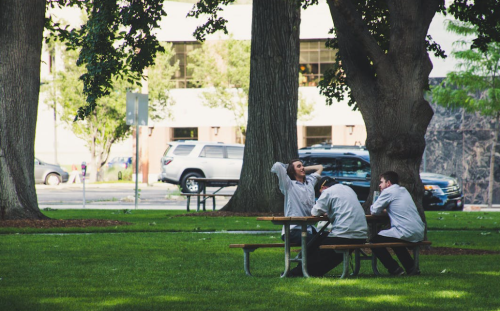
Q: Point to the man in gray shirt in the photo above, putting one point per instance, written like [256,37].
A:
[406,224]
[340,204]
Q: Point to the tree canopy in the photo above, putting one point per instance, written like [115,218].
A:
[118,41]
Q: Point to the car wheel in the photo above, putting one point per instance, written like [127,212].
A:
[52,179]
[120,176]
[189,186]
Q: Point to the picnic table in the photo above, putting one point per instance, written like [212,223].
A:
[304,222]
[202,194]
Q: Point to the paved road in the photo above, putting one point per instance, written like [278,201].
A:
[118,196]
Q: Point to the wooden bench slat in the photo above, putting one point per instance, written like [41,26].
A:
[374,245]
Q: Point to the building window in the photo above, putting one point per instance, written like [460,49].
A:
[315,59]
[185,133]
[183,76]
[318,135]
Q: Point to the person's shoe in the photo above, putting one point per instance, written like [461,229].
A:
[413,272]
[398,272]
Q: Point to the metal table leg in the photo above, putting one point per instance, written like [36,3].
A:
[204,196]
[304,250]
[287,251]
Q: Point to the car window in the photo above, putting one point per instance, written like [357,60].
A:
[37,162]
[169,148]
[212,152]
[354,167]
[183,150]
[234,152]
[330,165]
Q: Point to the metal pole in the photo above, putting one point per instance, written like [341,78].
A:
[84,172]
[83,177]
[136,119]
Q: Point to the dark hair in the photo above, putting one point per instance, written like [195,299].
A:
[391,176]
[324,182]
[291,169]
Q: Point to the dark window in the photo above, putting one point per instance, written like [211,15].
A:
[314,55]
[183,75]
[330,166]
[212,152]
[318,135]
[234,152]
[183,150]
[180,133]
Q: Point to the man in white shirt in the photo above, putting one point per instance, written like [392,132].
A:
[298,189]
[340,204]
[406,224]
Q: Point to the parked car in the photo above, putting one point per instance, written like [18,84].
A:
[120,164]
[352,167]
[184,159]
[49,174]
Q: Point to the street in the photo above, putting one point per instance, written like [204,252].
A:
[119,196]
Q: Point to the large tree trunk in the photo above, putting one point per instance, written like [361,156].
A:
[21,33]
[389,86]
[272,104]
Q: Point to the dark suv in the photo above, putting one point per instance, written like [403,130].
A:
[352,167]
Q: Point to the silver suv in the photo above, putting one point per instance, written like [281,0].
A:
[184,159]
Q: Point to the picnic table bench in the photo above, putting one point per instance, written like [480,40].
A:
[359,254]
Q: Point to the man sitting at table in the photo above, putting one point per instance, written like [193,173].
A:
[340,204]
[406,224]
[298,189]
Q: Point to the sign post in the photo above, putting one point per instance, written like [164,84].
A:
[137,114]
[84,172]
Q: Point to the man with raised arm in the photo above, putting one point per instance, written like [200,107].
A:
[298,188]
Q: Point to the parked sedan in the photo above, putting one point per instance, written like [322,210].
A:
[49,174]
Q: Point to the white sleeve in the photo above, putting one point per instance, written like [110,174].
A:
[280,170]
[381,203]
[321,206]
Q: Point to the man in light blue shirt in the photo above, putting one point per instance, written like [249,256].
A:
[298,189]
[406,224]
[340,204]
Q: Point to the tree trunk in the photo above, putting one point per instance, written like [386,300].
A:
[272,105]
[21,34]
[492,161]
[389,87]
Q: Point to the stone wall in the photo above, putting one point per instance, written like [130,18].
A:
[458,145]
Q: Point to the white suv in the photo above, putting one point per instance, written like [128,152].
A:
[184,159]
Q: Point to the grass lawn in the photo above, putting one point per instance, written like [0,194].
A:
[148,266]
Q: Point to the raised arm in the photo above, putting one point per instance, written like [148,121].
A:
[314,169]
[280,170]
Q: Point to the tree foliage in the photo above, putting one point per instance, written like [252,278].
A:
[475,86]
[118,41]
[228,81]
